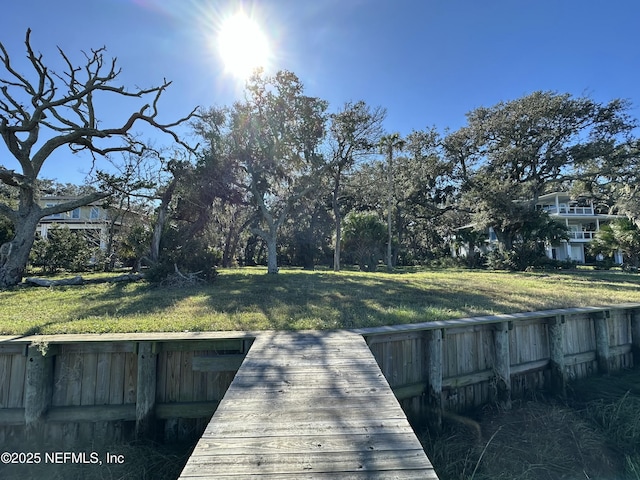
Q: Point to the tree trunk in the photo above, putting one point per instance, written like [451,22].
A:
[110,256]
[389,205]
[505,240]
[233,249]
[227,252]
[308,243]
[337,251]
[14,255]
[163,209]
[400,227]
[157,235]
[272,254]
[270,237]
[232,240]
[338,218]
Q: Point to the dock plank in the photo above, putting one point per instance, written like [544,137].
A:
[309,405]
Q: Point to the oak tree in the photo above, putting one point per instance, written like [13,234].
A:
[276,133]
[354,132]
[511,153]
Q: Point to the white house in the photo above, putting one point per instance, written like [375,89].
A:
[93,220]
[583,220]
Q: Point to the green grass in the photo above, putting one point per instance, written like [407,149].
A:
[248,299]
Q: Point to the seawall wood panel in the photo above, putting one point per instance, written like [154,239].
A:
[546,348]
[457,370]
[17,383]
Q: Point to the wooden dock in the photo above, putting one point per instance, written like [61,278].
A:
[309,406]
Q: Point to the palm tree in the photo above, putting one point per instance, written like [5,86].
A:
[619,236]
[388,144]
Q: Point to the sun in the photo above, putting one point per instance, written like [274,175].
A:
[242,45]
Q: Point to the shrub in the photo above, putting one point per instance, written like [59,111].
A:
[191,257]
[63,249]
[501,260]
[364,239]
[605,264]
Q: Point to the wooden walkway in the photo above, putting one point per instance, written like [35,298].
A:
[309,406]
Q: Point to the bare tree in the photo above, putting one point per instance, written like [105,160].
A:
[37,117]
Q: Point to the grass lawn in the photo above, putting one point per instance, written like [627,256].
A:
[248,299]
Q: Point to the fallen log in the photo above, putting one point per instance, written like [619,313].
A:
[78,280]
[41,282]
[127,277]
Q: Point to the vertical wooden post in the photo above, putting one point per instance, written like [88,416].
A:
[146,390]
[38,388]
[601,327]
[635,336]
[502,364]
[558,384]
[435,359]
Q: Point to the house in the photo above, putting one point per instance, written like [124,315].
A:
[93,220]
[582,218]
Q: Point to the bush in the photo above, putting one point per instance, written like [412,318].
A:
[605,264]
[447,262]
[525,259]
[501,260]
[63,249]
[364,239]
[202,266]
[191,257]
[6,230]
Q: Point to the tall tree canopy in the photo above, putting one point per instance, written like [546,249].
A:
[42,111]
[355,131]
[540,138]
[276,133]
[513,151]
[425,192]
[614,179]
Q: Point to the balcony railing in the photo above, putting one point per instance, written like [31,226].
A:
[65,218]
[589,235]
[571,210]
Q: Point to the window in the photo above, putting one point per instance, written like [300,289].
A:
[94,214]
[75,213]
[55,215]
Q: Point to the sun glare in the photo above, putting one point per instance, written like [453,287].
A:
[242,45]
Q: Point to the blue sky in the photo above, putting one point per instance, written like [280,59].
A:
[427,62]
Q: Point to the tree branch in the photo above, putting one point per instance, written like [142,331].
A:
[78,128]
[72,204]
[8,212]
[13,179]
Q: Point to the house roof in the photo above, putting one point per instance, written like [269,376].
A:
[66,198]
[553,195]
